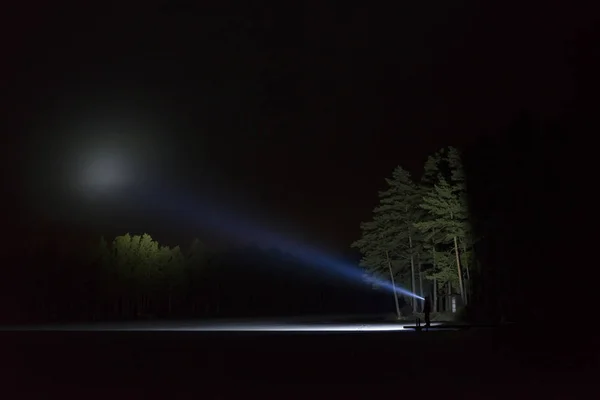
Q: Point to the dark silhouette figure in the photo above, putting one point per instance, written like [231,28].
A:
[427,311]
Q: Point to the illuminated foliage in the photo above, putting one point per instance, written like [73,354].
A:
[446,225]
[139,273]
[391,234]
[419,225]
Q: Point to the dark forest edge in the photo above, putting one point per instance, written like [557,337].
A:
[501,214]
[134,277]
[487,211]
[420,236]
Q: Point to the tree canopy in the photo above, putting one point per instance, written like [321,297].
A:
[423,228]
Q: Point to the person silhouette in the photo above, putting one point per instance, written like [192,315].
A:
[427,311]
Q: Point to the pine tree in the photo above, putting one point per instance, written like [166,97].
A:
[448,221]
[172,267]
[391,241]
[459,188]
[399,205]
[135,265]
[431,175]
[376,244]
[432,170]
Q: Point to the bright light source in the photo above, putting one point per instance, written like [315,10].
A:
[103,171]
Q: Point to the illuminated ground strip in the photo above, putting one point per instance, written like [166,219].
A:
[380,327]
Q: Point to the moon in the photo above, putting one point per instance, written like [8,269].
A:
[105,171]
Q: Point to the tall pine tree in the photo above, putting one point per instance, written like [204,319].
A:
[437,275]
[379,247]
[448,220]
[459,189]
[391,238]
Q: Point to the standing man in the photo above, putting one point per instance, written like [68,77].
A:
[427,311]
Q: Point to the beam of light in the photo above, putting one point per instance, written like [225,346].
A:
[228,327]
[210,216]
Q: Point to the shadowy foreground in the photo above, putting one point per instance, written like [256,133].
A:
[476,362]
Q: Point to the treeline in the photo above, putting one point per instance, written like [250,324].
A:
[420,235]
[499,225]
[135,277]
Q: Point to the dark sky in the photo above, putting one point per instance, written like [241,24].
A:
[293,115]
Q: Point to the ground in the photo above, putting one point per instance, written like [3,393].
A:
[488,361]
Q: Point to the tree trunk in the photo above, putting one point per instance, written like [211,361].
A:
[467,273]
[435,299]
[458,264]
[449,297]
[393,284]
[412,273]
[420,282]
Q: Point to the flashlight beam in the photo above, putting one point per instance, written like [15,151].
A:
[235,226]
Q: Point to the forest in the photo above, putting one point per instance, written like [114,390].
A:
[60,278]
[476,226]
[492,223]
[420,235]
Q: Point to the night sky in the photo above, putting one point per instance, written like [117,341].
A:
[292,116]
